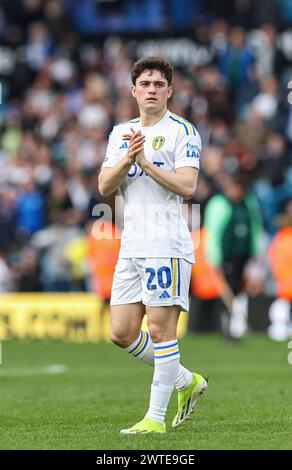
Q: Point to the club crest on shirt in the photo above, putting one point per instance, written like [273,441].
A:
[158,142]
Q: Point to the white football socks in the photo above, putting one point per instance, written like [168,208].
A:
[166,365]
[142,348]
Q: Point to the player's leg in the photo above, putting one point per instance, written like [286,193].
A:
[126,332]
[125,323]
[142,348]
[169,285]
[173,291]
[162,324]
[127,311]
[127,315]
[172,286]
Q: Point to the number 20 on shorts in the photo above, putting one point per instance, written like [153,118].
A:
[163,278]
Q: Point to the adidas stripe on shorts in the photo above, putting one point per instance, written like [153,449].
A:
[153,281]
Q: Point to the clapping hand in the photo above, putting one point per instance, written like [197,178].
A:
[136,147]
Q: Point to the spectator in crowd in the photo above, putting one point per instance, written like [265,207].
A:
[266,102]
[52,243]
[27,275]
[30,209]
[7,218]
[103,251]
[273,186]
[237,61]
[280,254]
[280,257]
[233,228]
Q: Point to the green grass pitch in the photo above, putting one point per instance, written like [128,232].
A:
[248,404]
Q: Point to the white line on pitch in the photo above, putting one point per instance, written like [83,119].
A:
[17,371]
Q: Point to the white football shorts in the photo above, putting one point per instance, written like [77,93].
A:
[156,282]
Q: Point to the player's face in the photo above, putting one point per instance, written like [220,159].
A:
[151,91]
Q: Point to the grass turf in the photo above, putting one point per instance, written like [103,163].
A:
[248,404]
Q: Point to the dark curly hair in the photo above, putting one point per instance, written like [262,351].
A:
[152,63]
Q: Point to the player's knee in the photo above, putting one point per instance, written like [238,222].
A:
[121,338]
[118,340]
[160,334]
[157,334]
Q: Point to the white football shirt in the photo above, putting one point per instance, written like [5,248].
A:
[154,226]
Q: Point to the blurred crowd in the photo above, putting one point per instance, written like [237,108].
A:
[62,93]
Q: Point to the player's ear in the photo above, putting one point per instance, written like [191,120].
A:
[170,91]
[133,90]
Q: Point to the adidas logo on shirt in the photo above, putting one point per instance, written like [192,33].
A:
[124,145]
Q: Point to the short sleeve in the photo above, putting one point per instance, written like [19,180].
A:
[188,150]
[113,152]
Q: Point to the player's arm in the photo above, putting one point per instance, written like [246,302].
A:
[110,178]
[183,182]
